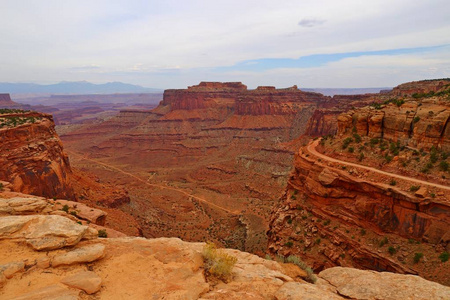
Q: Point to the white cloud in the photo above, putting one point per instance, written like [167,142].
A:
[46,40]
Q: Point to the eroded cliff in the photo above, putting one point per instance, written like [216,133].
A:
[32,156]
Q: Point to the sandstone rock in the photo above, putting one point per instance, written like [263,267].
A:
[22,206]
[43,262]
[85,212]
[326,177]
[81,254]
[303,291]
[44,232]
[53,292]
[34,160]
[87,281]
[11,268]
[422,192]
[359,284]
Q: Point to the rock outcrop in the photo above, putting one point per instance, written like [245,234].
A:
[419,121]
[169,268]
[334,215]
[32,155]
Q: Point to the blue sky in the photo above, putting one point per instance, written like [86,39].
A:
[173,44]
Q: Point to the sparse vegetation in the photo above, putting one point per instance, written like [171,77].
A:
[217,263]
[65,208]
[1,187]
[417,257]
[297,261]
[102,233]
[414,188]
[383,242]
[391,250]
[444,256]
[393,182]
[443,166]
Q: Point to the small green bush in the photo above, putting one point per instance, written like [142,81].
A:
[384,241]
[102,233]
[393,182]
[417,257]
[414,188]
[289,244]
[297,261]
[363,231]
[391,250]
[351,149]
[443,166]
[444,256]
[416,119]
[357,138]
[65,208]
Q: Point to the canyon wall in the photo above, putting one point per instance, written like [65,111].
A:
[332,216]
[418,122]
[32,156]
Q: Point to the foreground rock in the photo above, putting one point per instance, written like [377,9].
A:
[358,284]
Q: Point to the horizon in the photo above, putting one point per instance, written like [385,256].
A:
[312,44]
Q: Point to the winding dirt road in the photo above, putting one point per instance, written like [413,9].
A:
[151,184]
[312,149]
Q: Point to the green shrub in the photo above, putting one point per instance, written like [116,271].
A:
[443,166]
[318,241]
[361,156]
[384,241]
[351,149]
[391,250]
[414,188]
[346,142]
[289,244]
[217,263]
[416,119]
[393,182]
[363,231]
[417,257]
[444,256]
[357,138]
[73,213]
[388,158]
[102,233]
[65,208]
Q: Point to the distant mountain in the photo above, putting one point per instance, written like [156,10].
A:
[74,87]
[345,91]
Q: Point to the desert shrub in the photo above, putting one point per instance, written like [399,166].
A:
[393,182]
[351,149]
[289,244]
[416,119]
[384,241]
[363,231]
[297,261]
[318,240]
[417,257]
[357,138]
[414,188]
[444,256]
[289,220]
[361,156]
[102,233]
[65,208]
[1,187]
[346,142]
[217,263]
[388,158]
[443,166]
[327,222]
[391,250]
[73,213]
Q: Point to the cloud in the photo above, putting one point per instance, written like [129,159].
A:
[310,22]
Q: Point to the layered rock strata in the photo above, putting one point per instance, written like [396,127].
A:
[32,155]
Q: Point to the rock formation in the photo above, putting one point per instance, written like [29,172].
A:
[32,156]
[419,121]
[75,264]
[338,215]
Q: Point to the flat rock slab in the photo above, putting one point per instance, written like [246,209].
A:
[303,291]
[82,254]
[22,206]
[52,292]
[86,281]
[44,232]
[85,212]
[359,284]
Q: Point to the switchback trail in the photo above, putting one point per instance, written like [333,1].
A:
[312,149]
[151,184]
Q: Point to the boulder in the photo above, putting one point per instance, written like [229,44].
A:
[12,268]
[359,284]
[87,281]
[82,254]
[44,232]
[22,206]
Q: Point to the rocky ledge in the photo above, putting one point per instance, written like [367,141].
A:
[44,255]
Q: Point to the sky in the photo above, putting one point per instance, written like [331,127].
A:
[174,44]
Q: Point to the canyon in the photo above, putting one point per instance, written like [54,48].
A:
[218,162]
